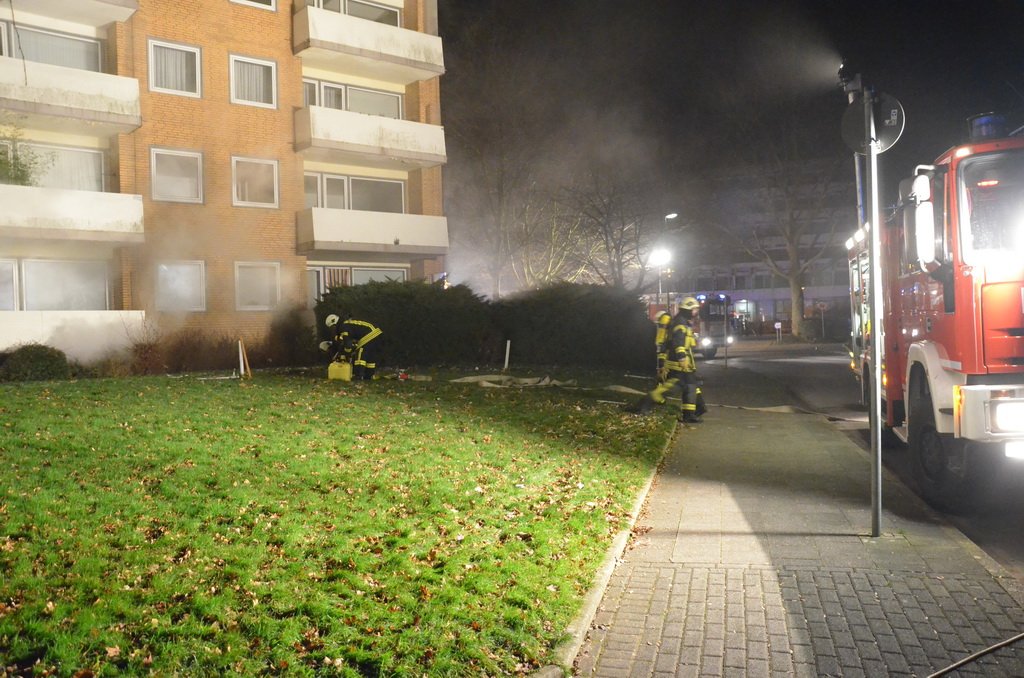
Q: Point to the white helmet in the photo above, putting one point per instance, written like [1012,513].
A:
[332,320]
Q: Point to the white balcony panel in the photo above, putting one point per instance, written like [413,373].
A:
[60,99]
[86,336]
[338,42]
[88,12]
[333,230]
[60,214]
[330,135]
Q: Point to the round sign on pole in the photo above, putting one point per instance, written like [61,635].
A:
[889,123]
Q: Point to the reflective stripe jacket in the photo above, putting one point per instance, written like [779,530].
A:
[353,334]
[681,344]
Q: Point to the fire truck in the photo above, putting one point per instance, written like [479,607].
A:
[713,327]
[952,296]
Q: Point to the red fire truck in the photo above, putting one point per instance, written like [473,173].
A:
[952,352]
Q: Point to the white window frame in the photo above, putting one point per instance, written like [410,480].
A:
[395,95]
[161,302]
[25,292]
[236,200]
[319,86]
[98,66]
[321,188]
[3,39]
[153,153]
[258,5]
[398,12]
[16,295]
[232,58]
[197,52]
[276,266]
[40,148]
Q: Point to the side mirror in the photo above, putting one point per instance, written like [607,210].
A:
[924,220]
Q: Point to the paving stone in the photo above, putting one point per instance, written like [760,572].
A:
[823,600]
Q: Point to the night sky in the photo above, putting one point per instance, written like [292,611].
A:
[667,69]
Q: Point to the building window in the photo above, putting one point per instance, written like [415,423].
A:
[262,4]
[257,285]
[255,182]
[320,279]
[373,12]
[336,191]
[3,39]
[177,175]
[79,169]
[253,82]
[64,285]
[8,290]
[175,69]
[57,49]
[354,99]
[361,276]
[374,102]
[181,286]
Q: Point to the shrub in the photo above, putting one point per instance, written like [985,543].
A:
[192,350]
[581,325]
[422,324]
[291,341]
[35,362]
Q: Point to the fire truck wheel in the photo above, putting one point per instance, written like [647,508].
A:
[947,477]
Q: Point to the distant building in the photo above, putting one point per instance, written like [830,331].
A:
[207,164]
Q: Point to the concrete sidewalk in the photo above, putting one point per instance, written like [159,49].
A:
[752,557]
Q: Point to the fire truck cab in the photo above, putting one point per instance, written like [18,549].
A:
[952,260]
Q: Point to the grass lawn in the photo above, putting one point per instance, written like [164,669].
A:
[298,526]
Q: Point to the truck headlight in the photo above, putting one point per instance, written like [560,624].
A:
[728,339]
[705,342]
[1014,449]
[1008,415]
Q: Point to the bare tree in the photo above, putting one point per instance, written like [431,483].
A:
[548,247]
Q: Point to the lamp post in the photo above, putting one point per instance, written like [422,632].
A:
[658,258]
[664,222]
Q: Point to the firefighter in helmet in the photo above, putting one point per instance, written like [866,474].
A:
[680,365]
[353,340]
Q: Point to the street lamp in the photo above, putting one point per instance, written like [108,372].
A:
[664,221]
[658,258]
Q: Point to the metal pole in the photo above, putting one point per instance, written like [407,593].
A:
[876,316]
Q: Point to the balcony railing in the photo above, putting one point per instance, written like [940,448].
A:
[330,135]
[95,13]
[58,214]
[335,230]
[338,42]
[60,99]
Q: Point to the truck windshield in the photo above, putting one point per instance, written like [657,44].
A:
[992,207]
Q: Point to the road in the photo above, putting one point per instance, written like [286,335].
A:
[820,379]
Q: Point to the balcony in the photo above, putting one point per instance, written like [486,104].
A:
[37,213]
[329,135]
[85,336]
[332,231]
[59,99]
[338,42]
[94,13]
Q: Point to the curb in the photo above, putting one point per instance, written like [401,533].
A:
[566,651]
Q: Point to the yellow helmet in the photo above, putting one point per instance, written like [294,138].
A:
[689,304]
[663,318]
[331,320]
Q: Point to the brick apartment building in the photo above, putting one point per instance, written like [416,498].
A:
[209,163]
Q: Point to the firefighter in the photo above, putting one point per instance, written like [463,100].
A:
[680,365]
[663,322]
[354,340]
